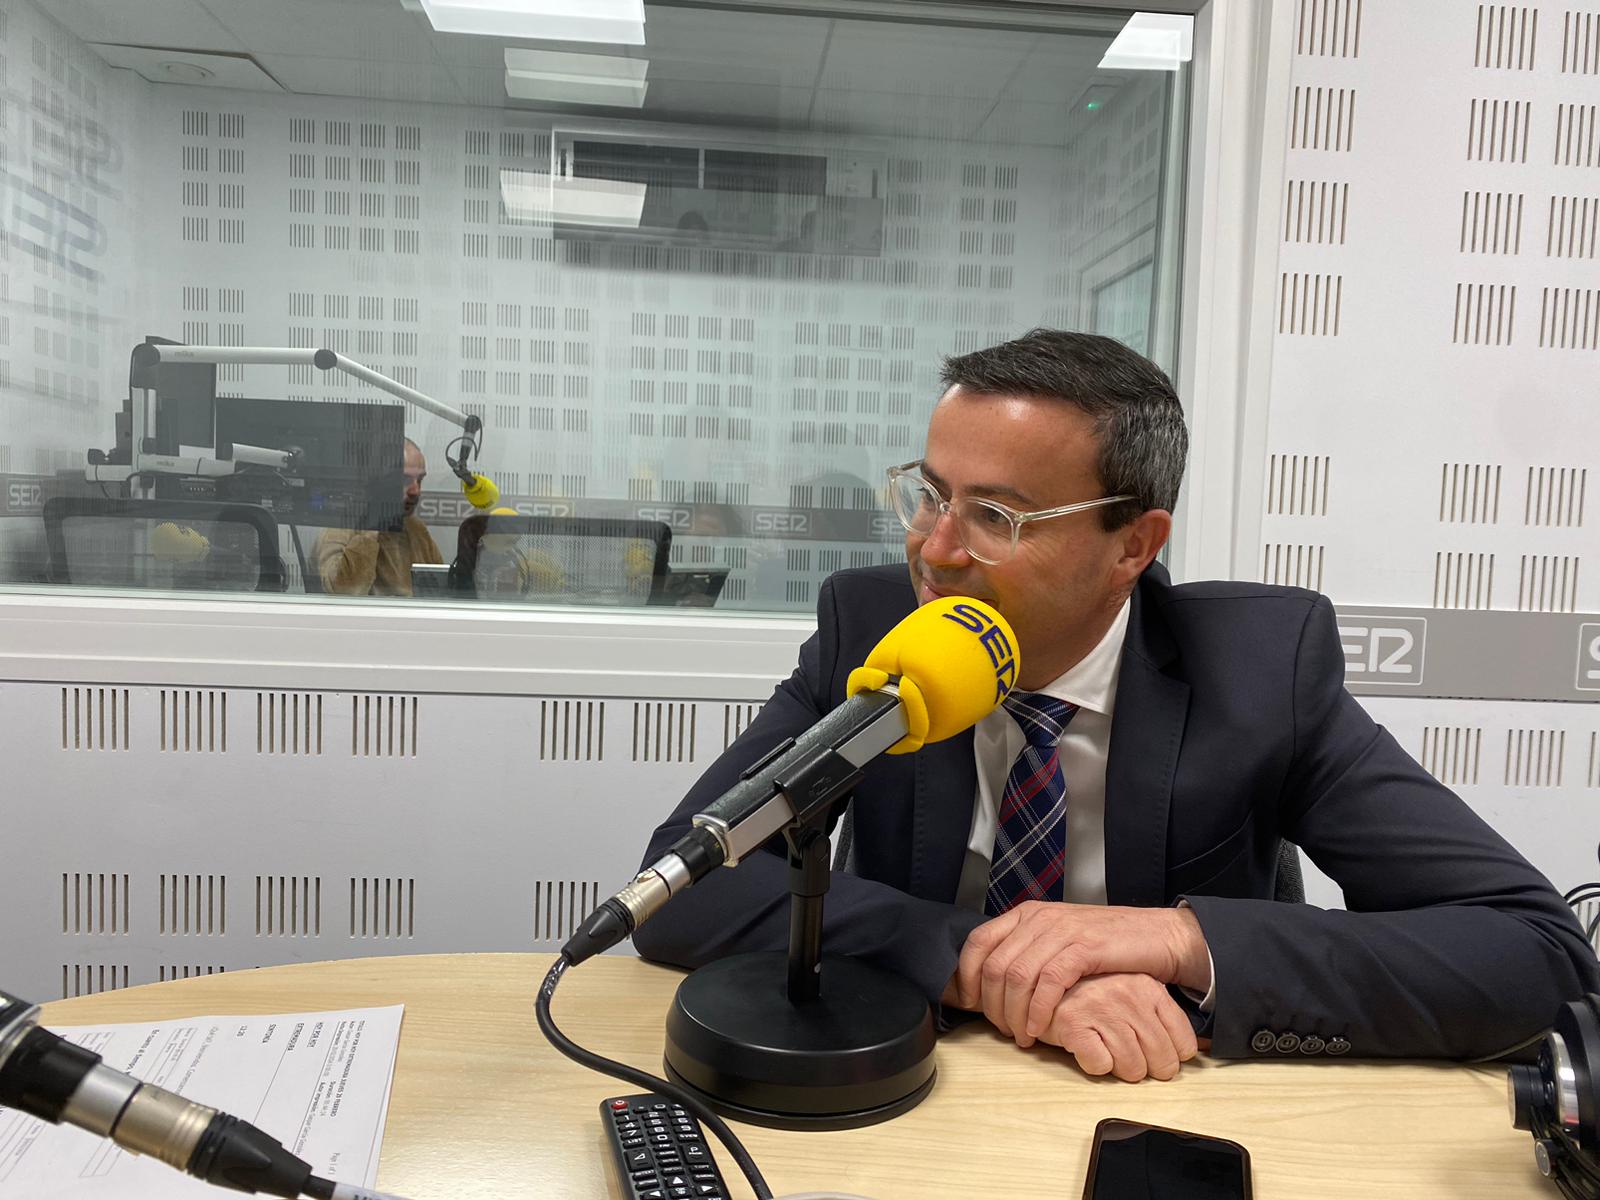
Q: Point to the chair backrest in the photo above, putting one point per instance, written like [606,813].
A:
[584,560]
[183,545]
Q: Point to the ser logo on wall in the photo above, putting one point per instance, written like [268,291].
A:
[23,498]
[1383,649]
[1589,658]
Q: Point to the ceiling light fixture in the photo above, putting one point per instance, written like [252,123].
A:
[534,198]
[619,21]
[552,76]
[1150,42]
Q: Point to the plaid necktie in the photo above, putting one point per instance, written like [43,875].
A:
[1030,843]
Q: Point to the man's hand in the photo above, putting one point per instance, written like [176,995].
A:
[1126,1025]
[1018,967]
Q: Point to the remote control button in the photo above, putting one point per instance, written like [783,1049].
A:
[708,1192]
[680,1193]
[632,1143]
[653,1194]
[619,1105]
[636,1159]
[694,1154]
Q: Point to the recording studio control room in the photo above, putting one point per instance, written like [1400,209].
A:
[802,599]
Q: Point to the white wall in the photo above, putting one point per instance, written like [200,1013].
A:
[1434,431]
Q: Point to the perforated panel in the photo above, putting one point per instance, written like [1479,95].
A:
[1457,397]
[503,822]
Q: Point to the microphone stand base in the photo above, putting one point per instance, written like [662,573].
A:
[858,1054]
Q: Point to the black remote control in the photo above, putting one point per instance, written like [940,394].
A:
[659,1149]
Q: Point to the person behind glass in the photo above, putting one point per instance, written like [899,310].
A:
[491,561]
[1094,865]
[377,562]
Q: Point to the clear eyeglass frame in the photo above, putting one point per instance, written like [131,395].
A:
[994,546]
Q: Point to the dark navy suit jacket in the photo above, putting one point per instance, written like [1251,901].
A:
[1232,730]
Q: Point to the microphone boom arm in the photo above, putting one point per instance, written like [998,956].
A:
[148,354]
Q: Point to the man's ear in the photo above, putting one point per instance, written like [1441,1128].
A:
[1141,540]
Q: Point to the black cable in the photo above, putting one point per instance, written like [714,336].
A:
[460,466]
[643,1079]
[1571,1171]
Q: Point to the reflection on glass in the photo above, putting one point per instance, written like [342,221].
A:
[720,311]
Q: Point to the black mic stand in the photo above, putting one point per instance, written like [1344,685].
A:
[802,1041]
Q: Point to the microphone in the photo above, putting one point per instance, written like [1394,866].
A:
[938,672]
[178,543]
[479,489]
[48,1077]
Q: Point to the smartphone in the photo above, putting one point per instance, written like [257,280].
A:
[1131,1161]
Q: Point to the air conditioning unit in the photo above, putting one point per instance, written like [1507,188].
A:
[726,193]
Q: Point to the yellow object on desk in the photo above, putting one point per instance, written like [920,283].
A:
[484,1109]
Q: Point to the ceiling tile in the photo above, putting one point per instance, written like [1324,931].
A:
[227,70]
[327,30]
[182,24]
[922,61]
[362,78]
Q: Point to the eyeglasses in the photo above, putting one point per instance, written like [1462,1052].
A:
[987,529]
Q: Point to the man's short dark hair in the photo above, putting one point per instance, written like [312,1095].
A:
[1138,418]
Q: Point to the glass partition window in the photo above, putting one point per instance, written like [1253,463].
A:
[700,287]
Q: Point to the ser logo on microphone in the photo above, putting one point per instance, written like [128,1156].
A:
[994,640]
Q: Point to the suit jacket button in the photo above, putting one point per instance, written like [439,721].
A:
[1338,1045]
[1312,1045]
[1263,1040]
[1288,1043]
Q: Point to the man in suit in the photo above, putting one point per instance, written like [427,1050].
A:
[1093,866]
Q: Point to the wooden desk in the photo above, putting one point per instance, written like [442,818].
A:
[484,1109]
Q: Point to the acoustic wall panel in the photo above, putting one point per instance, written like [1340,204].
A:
[1463,322]
[1457,398]
[456,822]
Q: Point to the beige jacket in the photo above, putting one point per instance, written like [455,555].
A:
[370,562]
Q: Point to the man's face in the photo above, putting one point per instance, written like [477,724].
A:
[1058,590]
[416,471]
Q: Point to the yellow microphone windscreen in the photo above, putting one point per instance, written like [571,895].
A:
[481,491]
[179,543]
[501,537]
[957,660]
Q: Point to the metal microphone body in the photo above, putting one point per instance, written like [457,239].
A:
[46,1076]
[793,780]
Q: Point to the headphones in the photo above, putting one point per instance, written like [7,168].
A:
[1558,1100]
